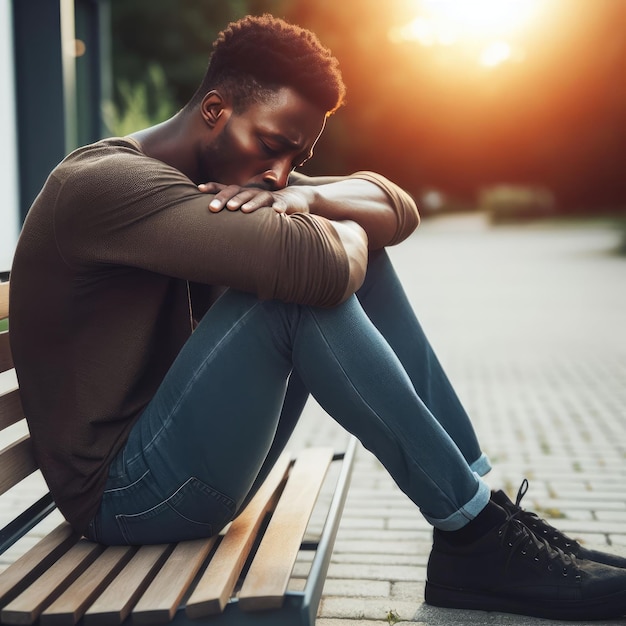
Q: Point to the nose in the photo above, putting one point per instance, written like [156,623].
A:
[277,177]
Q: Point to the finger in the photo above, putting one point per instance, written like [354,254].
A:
[216,205]
[259,200]
[245,198]
[210,187]
[223,196]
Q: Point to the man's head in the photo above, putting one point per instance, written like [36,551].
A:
[263,102]
[257,55]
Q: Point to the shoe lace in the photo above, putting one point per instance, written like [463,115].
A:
[539,525]
[518,538]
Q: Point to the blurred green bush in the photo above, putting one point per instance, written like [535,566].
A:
[141,104]
[515,203]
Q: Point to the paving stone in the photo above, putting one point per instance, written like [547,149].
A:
[351,546]
[573,505]
[389,534]
[376,571]
[382,558]
[611,516]
[367,608]
[409,591]
[370,523]
[360,588]
[406,510]
[571,527]
[409,522]
[599,540]
[578,515]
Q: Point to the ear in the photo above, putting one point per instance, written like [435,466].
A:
[213,107]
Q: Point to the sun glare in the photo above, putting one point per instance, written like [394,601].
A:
[495,53]
[488,29]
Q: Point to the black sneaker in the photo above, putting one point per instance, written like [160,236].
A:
[512,570]
[553,536]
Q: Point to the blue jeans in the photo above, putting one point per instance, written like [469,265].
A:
[230,401]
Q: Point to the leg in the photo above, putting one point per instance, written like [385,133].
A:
[214,419]
[384,300]
[356,377]
[295,399]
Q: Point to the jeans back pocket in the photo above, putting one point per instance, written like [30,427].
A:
[193,511]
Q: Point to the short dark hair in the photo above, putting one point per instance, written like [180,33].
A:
[257,55]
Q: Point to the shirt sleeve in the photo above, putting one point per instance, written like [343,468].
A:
[407,215]
[126,209]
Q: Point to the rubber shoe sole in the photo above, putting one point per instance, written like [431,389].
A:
[608,607]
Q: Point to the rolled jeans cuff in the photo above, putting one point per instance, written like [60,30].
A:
[481,466]
[467,512]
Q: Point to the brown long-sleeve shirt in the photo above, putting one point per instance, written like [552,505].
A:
[99,296]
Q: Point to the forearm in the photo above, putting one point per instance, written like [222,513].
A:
[386,213]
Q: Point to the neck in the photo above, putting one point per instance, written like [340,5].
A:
[171,141]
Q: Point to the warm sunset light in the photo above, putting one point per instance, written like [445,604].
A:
[490,31]
[495,53]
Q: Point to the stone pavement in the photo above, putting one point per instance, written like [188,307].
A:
[529,323]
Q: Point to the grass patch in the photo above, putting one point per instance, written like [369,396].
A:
[4,325]
[545,447]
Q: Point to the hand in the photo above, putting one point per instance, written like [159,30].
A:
[249,199]
[237,198]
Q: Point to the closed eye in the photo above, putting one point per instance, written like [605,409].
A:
[269,150]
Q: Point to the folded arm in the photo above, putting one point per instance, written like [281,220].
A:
[386,212]
[162,225]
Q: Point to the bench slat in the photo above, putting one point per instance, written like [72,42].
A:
[40,557]
[160,602]
[28,606]
[16,463]
[117,600]
[268,577]
[4,300]
[6,360]
[11,410]
[217,583]
[68,608]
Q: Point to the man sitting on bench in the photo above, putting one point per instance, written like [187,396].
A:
[178,293]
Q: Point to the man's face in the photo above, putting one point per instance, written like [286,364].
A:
[262,144]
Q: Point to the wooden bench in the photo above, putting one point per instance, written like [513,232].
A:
[243,576]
